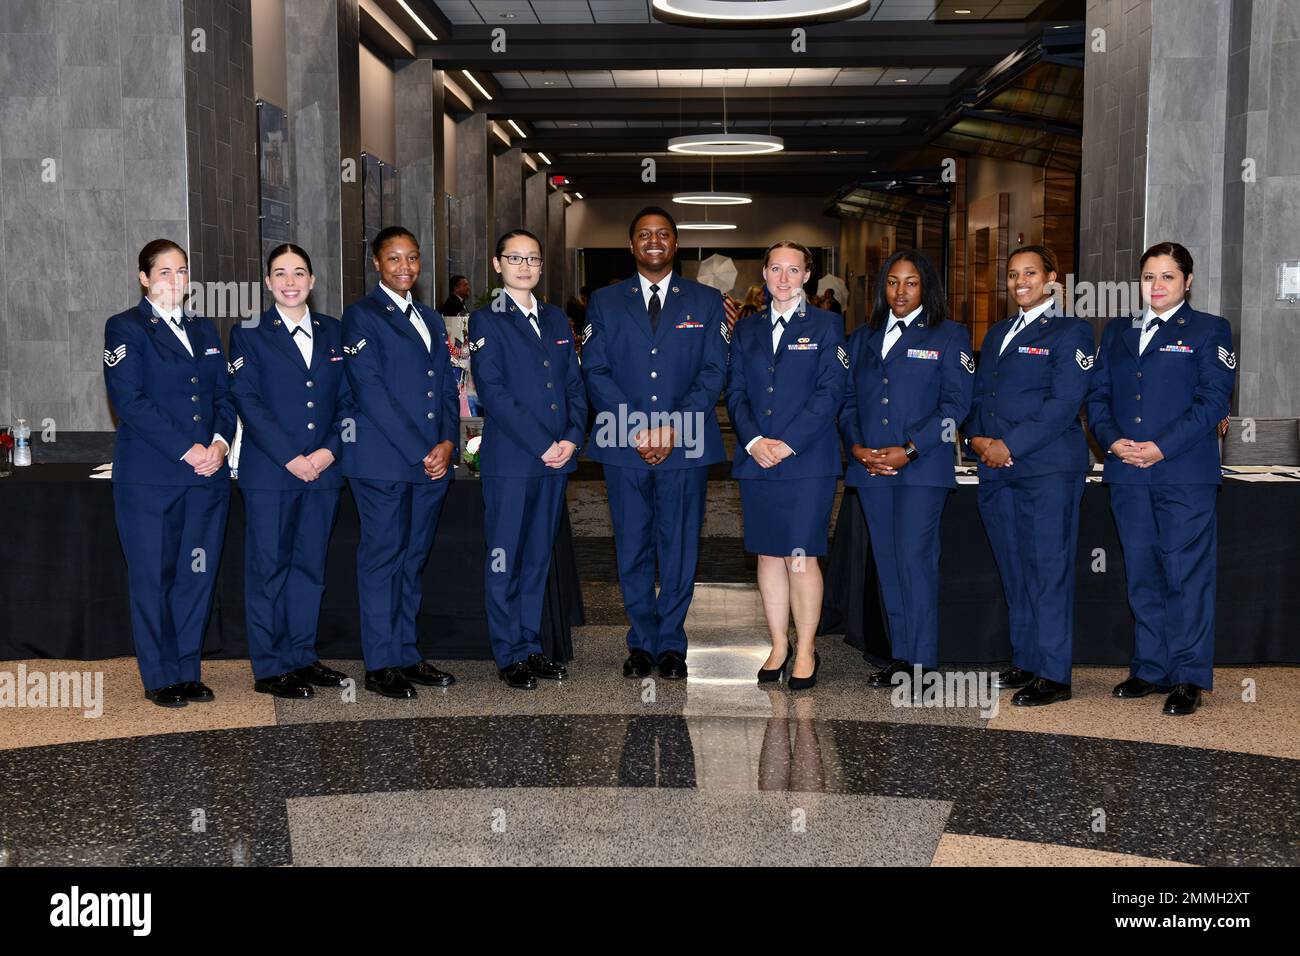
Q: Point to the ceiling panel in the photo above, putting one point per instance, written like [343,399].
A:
[637,78]
[499,12]
[563,11]
[620,11]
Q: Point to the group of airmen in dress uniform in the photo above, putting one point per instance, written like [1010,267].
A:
[373,398]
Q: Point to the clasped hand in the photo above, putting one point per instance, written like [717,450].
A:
[206,460]
[880,461]
[993,452]
[770,452]
[1140,454]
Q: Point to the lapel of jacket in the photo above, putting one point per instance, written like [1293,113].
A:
[635,304]
[157,323]
[1171,330]
[282,338]
[517,319]
[915,329]
[398,317]
[674,305]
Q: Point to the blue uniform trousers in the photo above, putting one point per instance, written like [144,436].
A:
[657,513]
[521,516]
[1033,526]
[172,537]
[398,522]
[286,534]
[1169,537]
[903,521]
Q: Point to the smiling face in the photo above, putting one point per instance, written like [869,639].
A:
[1164,286]
[1027,280]
[398,264]
[903,288]
[654,246]
[165,283]
[785,274]
[521,278]
[290,281]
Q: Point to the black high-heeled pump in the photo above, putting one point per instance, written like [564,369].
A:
[803,683]
[767,675]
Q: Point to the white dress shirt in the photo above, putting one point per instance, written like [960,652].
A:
[892,331]
[528,310]
[1149,328]
[1022,322]
[663,285]
[303,339]
[404,304]
[777,331]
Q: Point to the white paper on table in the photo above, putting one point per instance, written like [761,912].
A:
[101,474]
[107,467]
[968,479]
[1260,478]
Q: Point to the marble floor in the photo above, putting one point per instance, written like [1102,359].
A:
[600,769]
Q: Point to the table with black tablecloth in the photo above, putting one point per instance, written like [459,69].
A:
[63,584]
[1257,617]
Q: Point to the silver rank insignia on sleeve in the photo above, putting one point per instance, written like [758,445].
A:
[115,356]
[1085,361]
[1227,358]
[726,332]
[356,348]
[967,363]
[236,365]
[475,346]
[586,334]
[842,355]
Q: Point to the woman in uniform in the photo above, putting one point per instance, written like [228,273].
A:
[785,384]
[292,396]
[909,388]
[1035,368]
[166,377]
[530,386]
[1161,386]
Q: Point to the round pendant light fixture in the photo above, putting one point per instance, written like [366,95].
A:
[726,144]
[710,198]
[754,12]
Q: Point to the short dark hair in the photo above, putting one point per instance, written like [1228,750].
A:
[933,300]
[1174,250]
[288,248]
[512,234]
[1045,256]
[651,211]
[153,249]
[391,232]
[456,280]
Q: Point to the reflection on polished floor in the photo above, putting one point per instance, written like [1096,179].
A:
[713,770]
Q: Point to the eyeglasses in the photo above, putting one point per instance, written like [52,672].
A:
[515,260]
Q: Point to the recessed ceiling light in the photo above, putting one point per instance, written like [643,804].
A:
[477,85]
[411,13]
[961,13]
[579,195]
[546,159]
[515,127]
[1061,26]
[506,16]
[901,79]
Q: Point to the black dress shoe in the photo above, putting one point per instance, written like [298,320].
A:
[428,675]
[1137,687]
[519,676]
[197,692]
[885,678]
[1184,700]
[1015,677]
[672,665]
[542,666]
[767,675]
[173,695]
[639,663]
[287,685]
[803,683]
[320,675]
[391,682]
[1041,691]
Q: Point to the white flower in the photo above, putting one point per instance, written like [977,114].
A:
[471,446]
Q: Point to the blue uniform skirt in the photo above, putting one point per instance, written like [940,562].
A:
[785,518]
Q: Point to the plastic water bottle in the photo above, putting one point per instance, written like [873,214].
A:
[22,443]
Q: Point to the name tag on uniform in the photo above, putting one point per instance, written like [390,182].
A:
[801,346]
[929,355]
[1030,350]
[689,325]
[1180,347]
[212,352]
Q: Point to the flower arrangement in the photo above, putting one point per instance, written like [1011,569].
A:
[471,455]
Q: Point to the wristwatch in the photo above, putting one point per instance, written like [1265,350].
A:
[910,450]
